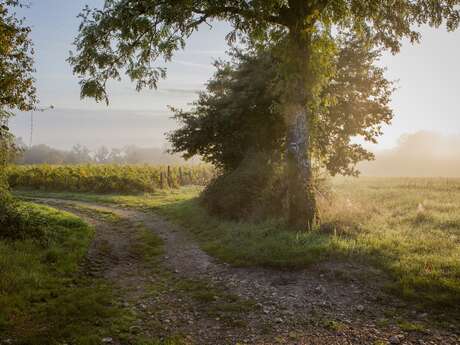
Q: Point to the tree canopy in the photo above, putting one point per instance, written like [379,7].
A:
[240,113]
[17,90]
[129,36]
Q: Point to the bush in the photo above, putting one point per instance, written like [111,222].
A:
[256,190]
[246,192]
[10,217]
[5,200]
[17,220]
[14,224]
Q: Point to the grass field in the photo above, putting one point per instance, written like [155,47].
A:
[409,228]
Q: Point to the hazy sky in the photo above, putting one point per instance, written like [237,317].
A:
[427,98]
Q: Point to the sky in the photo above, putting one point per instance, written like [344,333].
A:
[426,99]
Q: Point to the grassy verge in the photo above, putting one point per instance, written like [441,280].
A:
[410,228]
[43,299]
[46,297]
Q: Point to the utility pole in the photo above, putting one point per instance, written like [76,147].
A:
[41,110]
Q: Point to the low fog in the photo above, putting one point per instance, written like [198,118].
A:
[422,154]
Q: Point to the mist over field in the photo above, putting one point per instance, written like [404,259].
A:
[421,154]
[64,128]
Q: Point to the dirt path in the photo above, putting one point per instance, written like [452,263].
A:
[328,304]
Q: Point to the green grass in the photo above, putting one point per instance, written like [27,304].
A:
[176,340]
[148,246]
[43,298]
[409,228]
[106,216]
[411,327]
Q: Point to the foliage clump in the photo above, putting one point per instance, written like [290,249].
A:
[237,125]
[17,91]
[241,193]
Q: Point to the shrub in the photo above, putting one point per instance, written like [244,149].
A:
[17,220]
[10,218]
[256,190]
[245,192]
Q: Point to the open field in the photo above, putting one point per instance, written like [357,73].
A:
[407,228]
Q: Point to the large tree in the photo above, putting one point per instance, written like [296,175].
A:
[129,35]
[239,112]
[238,126]
[17,89]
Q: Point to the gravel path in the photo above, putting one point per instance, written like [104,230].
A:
[332,303]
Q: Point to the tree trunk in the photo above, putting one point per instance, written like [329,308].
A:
[302,203]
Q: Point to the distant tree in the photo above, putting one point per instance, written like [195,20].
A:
[101,155]
[116,156]
[133,155]
[150,155]
[78,155]
[42,154]
[128,35]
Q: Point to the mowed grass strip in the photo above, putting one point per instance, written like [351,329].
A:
[410,228]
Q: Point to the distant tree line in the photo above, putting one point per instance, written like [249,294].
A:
[44,154]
